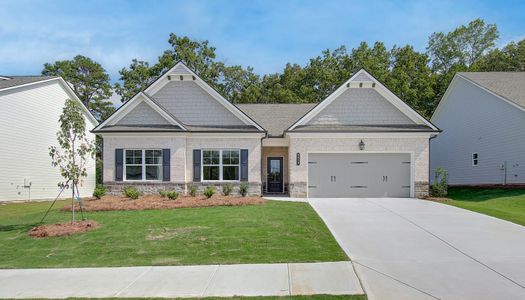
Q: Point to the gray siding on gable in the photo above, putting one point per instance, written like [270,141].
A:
[362,77]
[181,70]
[192,105]
[142,114]
[360,106]
[475,121]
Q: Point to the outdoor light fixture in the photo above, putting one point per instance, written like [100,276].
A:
[361,145]
[298,158]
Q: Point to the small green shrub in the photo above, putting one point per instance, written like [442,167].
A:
[439,187]
[243,189]
[209,191]
[131,192]
[227,189]
[163,193]
[99,191]
[173,195]
[193,190]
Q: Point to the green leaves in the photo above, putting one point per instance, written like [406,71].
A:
[89,81]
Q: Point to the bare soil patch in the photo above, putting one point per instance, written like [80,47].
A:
[146,202]
[62,229]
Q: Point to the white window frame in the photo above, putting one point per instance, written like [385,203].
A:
[143,165]
[220,165]
[475,161]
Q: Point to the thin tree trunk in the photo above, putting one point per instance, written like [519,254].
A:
[73,203]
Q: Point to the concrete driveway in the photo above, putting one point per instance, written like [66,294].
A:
[416,249]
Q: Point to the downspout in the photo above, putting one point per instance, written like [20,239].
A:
[262,161]
[429,157]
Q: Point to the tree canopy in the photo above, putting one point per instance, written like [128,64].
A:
[88,79]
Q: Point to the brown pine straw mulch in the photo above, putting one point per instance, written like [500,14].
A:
[146,202]
[62,229]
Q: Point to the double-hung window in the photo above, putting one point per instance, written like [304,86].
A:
[220,165]
[143,164]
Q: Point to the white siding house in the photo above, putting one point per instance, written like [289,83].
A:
[482,116]
[30,109]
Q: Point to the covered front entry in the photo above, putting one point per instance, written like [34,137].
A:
[343,175]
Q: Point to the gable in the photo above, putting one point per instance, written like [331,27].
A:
[192,105]
[142,114]
[360,106]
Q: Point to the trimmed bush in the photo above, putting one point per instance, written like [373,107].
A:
[163,193]
[209,191]
[192,190]
[173,195]
[99,191]
[439,187]
[243,189]
[131,192]
[227,189]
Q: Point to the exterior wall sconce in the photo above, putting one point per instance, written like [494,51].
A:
[361,145]
[298,158]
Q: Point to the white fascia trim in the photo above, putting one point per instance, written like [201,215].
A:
[28,84]
[159,83]
[492,93]
[380,88]
[445,97]
[363,135]
[72,94]
[131,104]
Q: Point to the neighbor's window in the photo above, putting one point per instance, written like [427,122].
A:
[475,159]
[143,164]
[220,164]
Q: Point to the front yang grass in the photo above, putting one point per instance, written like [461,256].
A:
[269,233]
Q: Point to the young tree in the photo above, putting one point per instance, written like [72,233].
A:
[89,81]
[75,148]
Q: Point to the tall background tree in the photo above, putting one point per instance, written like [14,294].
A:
[419,78]
[88,79]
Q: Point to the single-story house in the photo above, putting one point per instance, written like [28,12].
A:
[482,115]
[31,107]
[361,141]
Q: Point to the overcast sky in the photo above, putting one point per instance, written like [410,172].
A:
[262,34]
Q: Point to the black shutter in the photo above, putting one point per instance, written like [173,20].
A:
[119,164]
[166,158]
[244,164]
[196,165]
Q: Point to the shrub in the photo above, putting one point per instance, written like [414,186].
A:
[173,195]
[163,193]
[439,187]
[227,189]
[193,190]
[243,189]
[99,191]
[209,191]
[131,192]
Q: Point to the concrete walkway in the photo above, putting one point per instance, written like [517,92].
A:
[336,278]
[416,249]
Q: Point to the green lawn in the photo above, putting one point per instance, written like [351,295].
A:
[507,204]
[269,233]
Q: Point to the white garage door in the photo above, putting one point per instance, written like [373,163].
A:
[341,175]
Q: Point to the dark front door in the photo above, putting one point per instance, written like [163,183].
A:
[275,175]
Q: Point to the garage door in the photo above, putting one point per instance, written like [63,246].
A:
[341,175]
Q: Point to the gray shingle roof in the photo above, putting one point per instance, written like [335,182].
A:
[20,80]
[509,85]
[275,118]
[364,128]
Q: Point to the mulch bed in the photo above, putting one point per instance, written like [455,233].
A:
[107,203]
[437,199]
[62,229]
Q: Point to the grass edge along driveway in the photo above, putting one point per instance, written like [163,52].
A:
[270,233]
[503,203]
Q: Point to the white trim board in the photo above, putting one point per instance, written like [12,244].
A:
[376,85]
[161,81]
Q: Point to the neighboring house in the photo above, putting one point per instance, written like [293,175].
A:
[361,141]
[31,106]
[482,115]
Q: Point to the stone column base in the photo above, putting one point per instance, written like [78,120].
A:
[421,189]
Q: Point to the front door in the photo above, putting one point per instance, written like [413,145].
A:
[275,175]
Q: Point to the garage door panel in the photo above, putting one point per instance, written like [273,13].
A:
[358,175]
